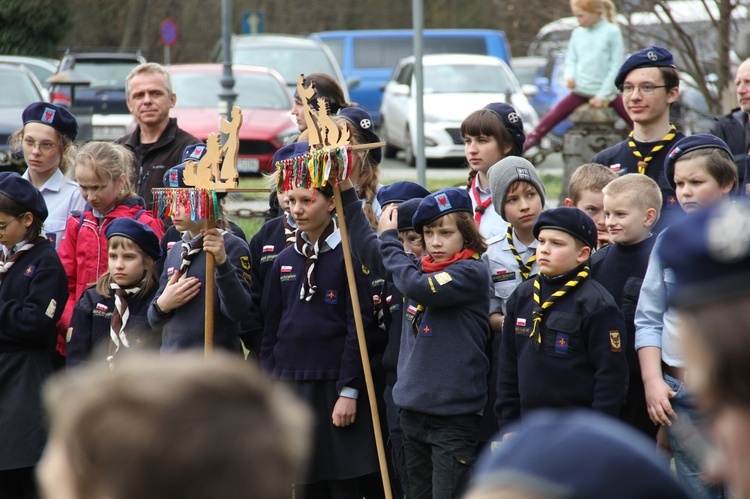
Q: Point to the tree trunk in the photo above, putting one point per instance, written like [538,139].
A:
[133,24]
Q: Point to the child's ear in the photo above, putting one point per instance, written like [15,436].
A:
[650,217]
[569,203]
[583,254]
[28,219]
[331,205]
[726,189]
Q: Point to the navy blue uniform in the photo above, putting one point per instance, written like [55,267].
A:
[92,318]
[621,159]
[620,269]
[581,361]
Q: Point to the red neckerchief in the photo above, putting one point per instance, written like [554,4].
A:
[429,265]
[481,206]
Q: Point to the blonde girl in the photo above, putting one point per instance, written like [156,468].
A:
[46,141]
[103,171]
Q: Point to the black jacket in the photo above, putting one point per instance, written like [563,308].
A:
[149,166]
[731,129]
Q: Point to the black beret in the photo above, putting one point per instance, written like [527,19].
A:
[650,57]
[57,117]
[511,121]
[567,219]
[692,143]
[24,193]
[398,192]
[136,231]
[442,202]
[362,121]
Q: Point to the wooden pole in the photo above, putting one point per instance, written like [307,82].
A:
[354,295]
[210,293]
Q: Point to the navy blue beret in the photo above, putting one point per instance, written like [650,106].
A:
[140,233]
[567,219]
[692,143]
[577,453]
[512,122]
[290,151]
[709,253]
[194,152]
[57,117]
[175,177]
[406,212]
[398,192]
[362,121]
[24,193]
[650,57]
[442,202]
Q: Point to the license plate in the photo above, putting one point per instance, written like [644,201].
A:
[248,165]
[108,132]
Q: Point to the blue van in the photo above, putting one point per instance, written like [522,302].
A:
[371,55]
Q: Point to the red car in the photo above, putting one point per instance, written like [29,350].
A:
[261,94]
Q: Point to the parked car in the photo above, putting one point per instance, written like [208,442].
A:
[261,94]
[370,55]
[454,86]
[105,95]
[289,55]
[42,67]
[18,88]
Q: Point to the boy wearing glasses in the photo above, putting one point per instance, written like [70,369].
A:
[649,84]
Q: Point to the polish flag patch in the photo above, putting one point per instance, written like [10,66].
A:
[268,248]
[101,306]
[286,268]
[520,321]
[411,310]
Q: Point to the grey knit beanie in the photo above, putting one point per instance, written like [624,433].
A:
[507,171]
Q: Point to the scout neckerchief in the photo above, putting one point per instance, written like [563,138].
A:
[481,206]
[430,266]
[7,263]
[290,233]
[540,308]
[311,251]
[658,146]
[190,250]
[523,268]
[120,316]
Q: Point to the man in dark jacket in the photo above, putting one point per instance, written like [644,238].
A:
[157,141]
[734,128]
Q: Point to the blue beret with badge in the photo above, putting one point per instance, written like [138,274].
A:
[512,122]
[650,57]
[137,232]
[362,121]
[692,143]
[290,151]
[57,117]
[442,202]
[398,192]
[24,193]
[709,253]
[568,219]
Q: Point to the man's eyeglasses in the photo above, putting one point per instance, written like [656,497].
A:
[45,146]
[646,88]
[4,227]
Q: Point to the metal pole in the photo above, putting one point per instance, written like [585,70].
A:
[418,26]
[227,95]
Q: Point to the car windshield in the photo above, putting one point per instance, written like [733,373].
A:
[466,78]
[17,90]
[254,91]
[289,62]
[526,74]
[105,73]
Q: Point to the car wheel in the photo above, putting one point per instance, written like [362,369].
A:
[410,159]
[389,151]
